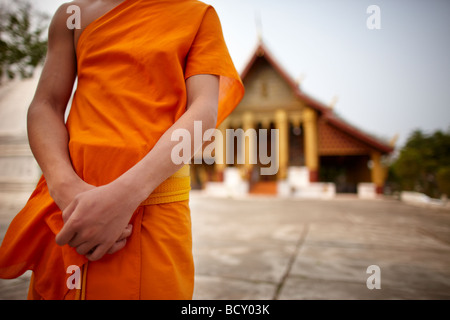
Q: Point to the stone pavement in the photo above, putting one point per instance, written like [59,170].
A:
[267,248]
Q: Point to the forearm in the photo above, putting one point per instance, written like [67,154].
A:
[48,138]
[157,165]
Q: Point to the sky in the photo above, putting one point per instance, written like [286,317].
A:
[387,81]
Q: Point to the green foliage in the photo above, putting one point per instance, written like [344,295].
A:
[22,39]
[423,164]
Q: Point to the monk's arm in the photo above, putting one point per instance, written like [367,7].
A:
[110,207]
[157,166]
[47,133]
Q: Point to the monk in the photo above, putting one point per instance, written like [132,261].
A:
[110,217]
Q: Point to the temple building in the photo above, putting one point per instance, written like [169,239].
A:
[317,152]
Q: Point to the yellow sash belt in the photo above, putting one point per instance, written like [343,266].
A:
[175,188]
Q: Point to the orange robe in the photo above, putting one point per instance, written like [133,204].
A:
[132,66]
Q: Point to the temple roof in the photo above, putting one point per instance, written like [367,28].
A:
[324,111]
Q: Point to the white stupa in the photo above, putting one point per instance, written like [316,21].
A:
[19,171]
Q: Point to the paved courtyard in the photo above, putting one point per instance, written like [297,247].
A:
[268,248]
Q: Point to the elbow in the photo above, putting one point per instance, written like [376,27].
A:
[34,110]
[44,106]
[207,114]
[209,121]
[31,113]
[212,114]
[213,118]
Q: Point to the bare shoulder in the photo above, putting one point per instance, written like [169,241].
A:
[63,12]
[68,8]
[82,4]
[72,17]
[66,25]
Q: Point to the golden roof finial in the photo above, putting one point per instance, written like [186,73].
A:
[299,79]
[393,141]
[258,24]
[333,102]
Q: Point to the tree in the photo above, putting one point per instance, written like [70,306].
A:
[423,164]
[22,39]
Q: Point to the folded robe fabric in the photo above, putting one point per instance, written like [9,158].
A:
[132,66]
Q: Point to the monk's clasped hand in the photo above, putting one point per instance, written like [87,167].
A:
[97,222]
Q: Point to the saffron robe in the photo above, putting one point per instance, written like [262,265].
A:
[132,66]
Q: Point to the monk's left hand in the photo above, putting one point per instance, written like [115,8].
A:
[96,219]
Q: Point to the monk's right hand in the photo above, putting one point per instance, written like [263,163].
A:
[65,194]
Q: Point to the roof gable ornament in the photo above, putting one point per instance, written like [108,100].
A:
[258,24]
[333,102]
[300,79]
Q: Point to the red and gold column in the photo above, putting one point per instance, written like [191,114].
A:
[378,171]
[250,142]
[311,143]
[282,124]
[220,151]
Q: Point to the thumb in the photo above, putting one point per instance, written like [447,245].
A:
[67,212]
[67,232]
[65,235]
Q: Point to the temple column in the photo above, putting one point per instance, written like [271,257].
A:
[282,124]
[378,172]
[250,146]
[311,143]
[220,151]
